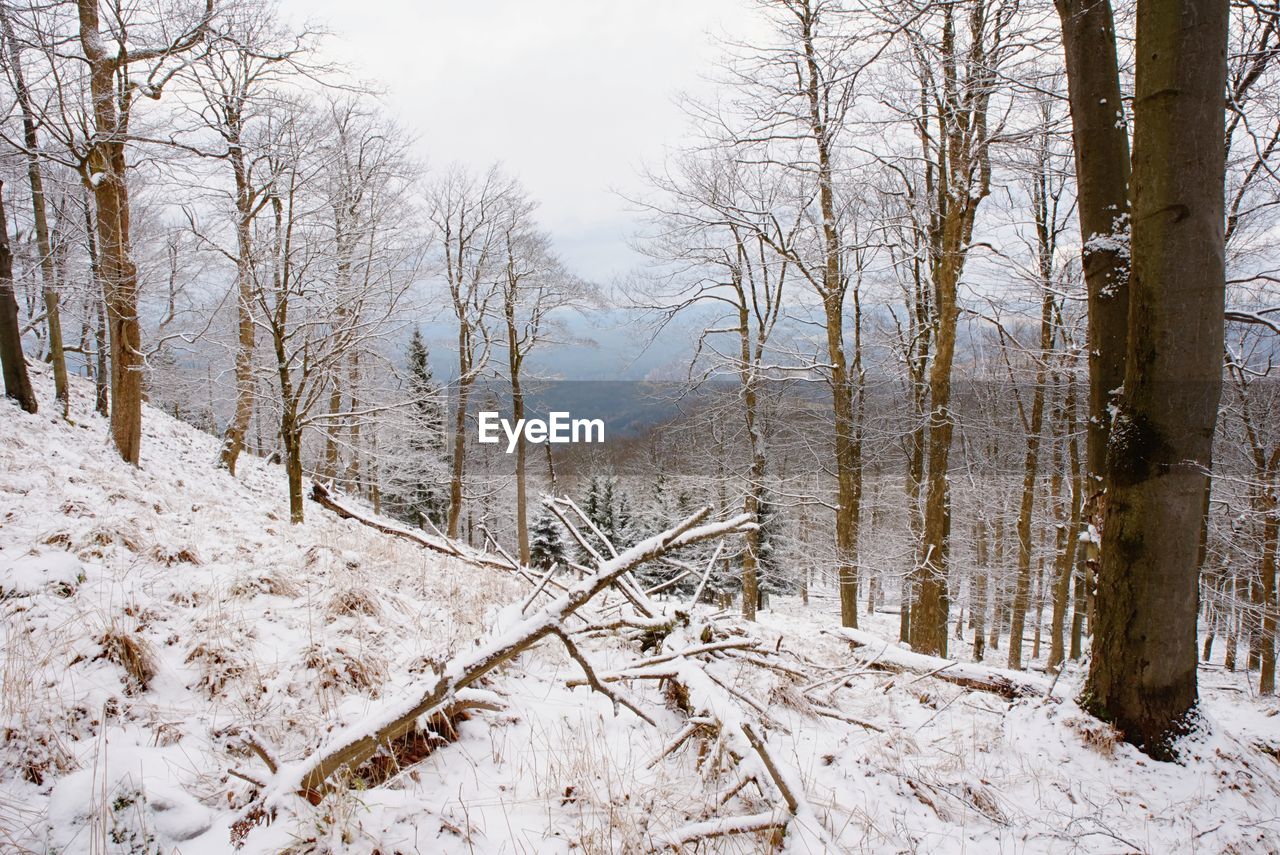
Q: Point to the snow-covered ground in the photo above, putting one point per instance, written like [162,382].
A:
[244,626]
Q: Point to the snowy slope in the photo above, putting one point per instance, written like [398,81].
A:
[242,625]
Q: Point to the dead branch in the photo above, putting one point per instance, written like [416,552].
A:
[618,698]
[890,657]
[356,743]
[775,820]
[321,496]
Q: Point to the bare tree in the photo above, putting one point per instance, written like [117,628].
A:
[1142,675]
[957,62]
[716,236]
[466,215]
[113,87]
[535,289]
[249,60]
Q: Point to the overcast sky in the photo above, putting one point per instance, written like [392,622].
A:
[573,96]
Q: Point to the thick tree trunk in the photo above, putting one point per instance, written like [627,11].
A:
[1102,182]
[1143,672]
[16,383]
[106,175]
[929,610]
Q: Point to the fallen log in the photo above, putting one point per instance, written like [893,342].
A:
[356,743]
[890,657]
[320,495]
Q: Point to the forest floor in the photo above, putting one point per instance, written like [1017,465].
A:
[155,620]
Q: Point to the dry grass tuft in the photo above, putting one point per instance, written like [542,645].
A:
[132,653]
[340,670]
[353,601]
[218,665]
[1098,735]
[275,584]
[169,556]
[96,542]
[785,693]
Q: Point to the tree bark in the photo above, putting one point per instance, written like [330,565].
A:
[1102,187]
[106,177]
[1143,671]
[1267,584]
[16,383]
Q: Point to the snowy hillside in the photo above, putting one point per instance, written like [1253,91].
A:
[162,624]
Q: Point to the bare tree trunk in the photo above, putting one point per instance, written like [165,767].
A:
[930,606]
[847,452]
[1233,625]
[329,468]
[755,487]
[1032,461]
[1081,581]
[458,470]
[1102,181]
[16,383]
[522,486]
[1065,562]
[233,440]
[53,316]
[1267,584]
[915,479]
[978,608]
[290,428]
[999,594]
[101,386]
[106,175]
[1142,676]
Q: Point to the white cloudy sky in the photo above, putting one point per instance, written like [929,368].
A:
[573,96]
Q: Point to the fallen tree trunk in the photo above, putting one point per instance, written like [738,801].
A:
[321,496]
[356,743]
[890,657]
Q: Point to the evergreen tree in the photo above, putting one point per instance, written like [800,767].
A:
[773,578]
[546,543]
[599,509]
[417,485]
